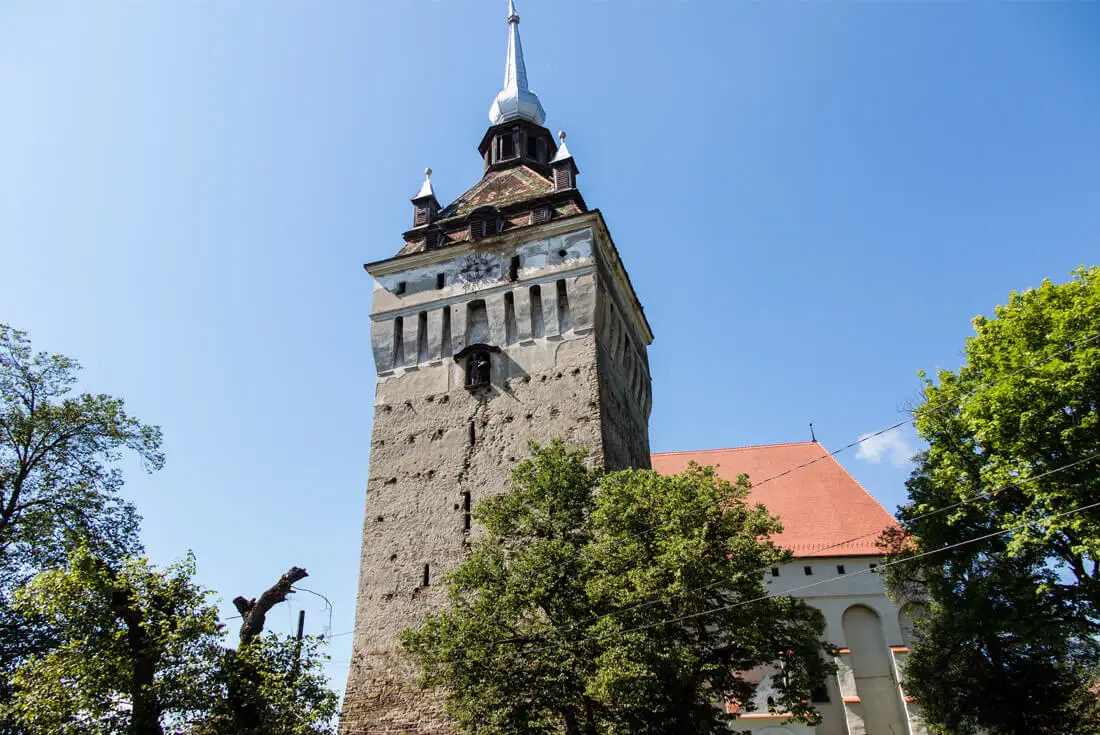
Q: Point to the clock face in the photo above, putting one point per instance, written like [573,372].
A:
[477,268]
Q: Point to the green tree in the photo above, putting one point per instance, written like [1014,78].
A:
[273,686]
[1008,640]
[137,654]
[140,653]
[59,482]
[59,478]
[609,603]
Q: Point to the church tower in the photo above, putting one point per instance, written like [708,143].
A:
[507,316]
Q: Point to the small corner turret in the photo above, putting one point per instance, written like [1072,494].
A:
[425,205]
[564,169]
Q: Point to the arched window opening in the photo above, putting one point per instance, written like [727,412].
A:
[479,365]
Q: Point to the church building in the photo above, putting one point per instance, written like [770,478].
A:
[507,316]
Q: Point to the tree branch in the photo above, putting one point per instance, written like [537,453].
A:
[254,612]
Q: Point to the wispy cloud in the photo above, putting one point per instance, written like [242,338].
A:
[892,447]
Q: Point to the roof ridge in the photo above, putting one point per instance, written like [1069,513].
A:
[733,449]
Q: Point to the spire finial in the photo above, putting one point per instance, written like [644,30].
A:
[515,100]
[563,152]
[426,189]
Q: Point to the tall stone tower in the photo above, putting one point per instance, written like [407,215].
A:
[507,316]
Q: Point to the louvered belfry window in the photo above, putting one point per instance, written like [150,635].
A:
[483,227]
[421,216]
[540,215]
[561,178]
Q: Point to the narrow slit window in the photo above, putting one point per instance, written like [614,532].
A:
[537,327]
[466,515]
[440,280]
[513,269]
[398,342]
[509,318]
[473,433]
[422,337]
[840,569]
[427,580]
[445,338]
[808,571]
[565,320]
[775,571]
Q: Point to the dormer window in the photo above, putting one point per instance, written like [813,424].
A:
[540,214]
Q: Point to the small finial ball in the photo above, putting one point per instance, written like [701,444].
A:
[428,173]
[561,135]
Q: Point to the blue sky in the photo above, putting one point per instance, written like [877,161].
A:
[813,200]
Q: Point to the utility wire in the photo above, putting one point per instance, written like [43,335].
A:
[768,596]
[810,585]
[982,496]
[899,424]
[937,407]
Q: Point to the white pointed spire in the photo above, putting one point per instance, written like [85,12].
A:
[563,152]
[515,101]
[426,189]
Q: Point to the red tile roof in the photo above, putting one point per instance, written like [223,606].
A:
[824,511]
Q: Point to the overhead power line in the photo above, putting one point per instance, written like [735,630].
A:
[981,496]
[867,437]
[761,598]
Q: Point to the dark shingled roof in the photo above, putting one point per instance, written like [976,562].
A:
[500,189]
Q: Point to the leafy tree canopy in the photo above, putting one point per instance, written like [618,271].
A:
[58,455]
[1008,642]
[139,653]
[59,482]
[610,603]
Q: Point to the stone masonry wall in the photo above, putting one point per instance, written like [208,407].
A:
[437,448]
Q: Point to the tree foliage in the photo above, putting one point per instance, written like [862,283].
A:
[59,482]
[137,654]
[1008,642]
[140,653]
[58,455]
[609,603]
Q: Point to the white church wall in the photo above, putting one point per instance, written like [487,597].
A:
[865,697]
